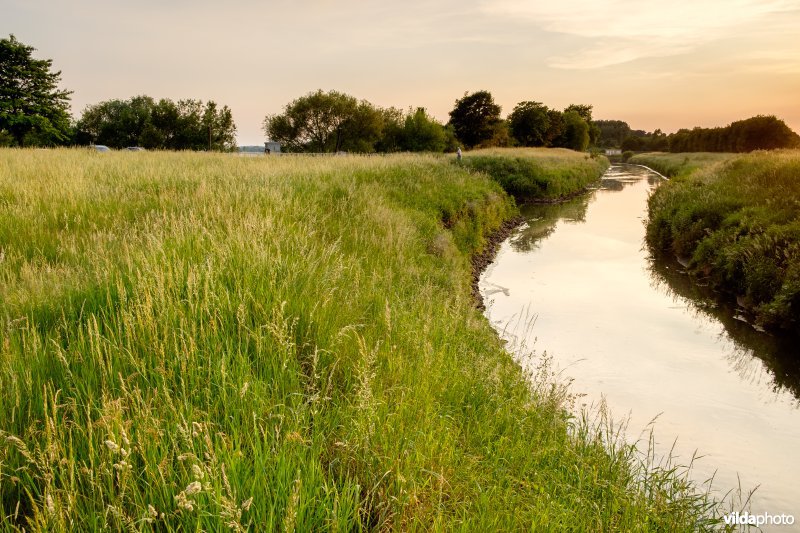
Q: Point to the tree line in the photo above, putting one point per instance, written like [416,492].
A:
[333,121]
[164,124]
[34,112]
[756,133]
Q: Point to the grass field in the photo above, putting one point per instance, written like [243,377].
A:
[736,221]
[198,341]
[538,174]
[679,165]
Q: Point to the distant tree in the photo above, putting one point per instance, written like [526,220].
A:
[760,133]
[451,141]
[422,133]
[316,122]
[140,121]
[362,130]
[220,128]
[116,123]
[583,111]
[529,122]
[555,127]
[634,143]
[501,136]
[475,117]
[659,142]
[612,132]
[33,110]
[755,133]
[392,135]
[576,132]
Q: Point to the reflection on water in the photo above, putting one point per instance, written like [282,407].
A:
[641,336]
[756,356]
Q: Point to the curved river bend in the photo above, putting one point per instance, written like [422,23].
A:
[576,281]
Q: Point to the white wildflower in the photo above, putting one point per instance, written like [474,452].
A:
[183,503]
[193,488]
[122,465]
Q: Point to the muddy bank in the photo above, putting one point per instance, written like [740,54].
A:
[484,259]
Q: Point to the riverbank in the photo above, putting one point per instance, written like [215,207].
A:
[679,165]
[626,331]
[198,341]
[734,222]
[540,175]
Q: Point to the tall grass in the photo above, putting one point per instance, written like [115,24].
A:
[198,341]
[679,165]
[538,174]
[737,223]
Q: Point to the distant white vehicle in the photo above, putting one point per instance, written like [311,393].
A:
[101,148]
[135,149]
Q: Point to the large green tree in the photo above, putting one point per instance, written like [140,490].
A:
[575,135]
[326,122]
[585,112]
[529,122]
[475,118]
[33,110]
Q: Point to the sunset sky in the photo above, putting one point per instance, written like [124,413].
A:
[653,64]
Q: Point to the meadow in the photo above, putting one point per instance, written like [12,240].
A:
[735,222]
[203,341]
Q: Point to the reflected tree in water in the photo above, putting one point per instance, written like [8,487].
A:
[750,349]
[541,221]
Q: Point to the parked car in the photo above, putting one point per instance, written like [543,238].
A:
[101,148]
[135,149]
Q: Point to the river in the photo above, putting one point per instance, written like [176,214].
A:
[576,282]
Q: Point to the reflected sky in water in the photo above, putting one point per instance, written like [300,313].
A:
[576,281]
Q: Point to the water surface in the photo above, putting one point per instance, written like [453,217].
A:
[576,281]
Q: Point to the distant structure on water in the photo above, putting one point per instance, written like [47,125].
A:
[613,151]
[272,147]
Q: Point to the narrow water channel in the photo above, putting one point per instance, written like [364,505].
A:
[576,282]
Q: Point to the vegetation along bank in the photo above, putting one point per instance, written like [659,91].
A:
[538,174]
[734,220]
[199,341]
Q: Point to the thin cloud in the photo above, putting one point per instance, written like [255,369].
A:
[619,31]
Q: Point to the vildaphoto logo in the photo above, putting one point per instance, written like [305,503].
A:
[762,519]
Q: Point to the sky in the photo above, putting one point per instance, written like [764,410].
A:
[666,65]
